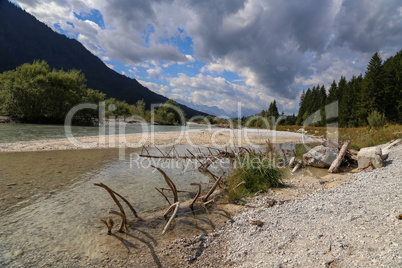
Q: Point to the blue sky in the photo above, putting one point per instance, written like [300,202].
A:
[218,53]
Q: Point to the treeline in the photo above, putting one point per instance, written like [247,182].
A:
[269,118]
[33,93]
[378,94]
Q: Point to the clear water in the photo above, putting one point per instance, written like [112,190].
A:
[65,225]
[26,132]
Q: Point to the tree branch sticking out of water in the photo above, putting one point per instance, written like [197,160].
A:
[112,194]
[212,188]
[176,206]
[167,199]
[169,183]
[196,196]
[109,224]
[123,220]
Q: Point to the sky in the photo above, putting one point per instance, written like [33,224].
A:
[219,53]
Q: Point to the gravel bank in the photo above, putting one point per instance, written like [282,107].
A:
[354,225]
[217,137]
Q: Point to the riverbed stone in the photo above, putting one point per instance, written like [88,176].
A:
[320,156]
[369,155]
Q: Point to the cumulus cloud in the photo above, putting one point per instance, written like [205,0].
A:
[217,91]
[154,72]
[275,47]
[160,89]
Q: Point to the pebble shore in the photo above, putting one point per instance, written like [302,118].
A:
[354,225]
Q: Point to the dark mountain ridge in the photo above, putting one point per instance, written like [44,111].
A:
[24,39]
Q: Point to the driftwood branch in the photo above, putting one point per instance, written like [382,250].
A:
[178,191]
[292,162]
[296,168]
[161,192]
[109,224]
[111,192]
[122,198]
[238,185]
[255,222]
[169,209]
[169,183]
[368,165]
[208,202]
[197,195]
[336,164]
[177,205]
[212,188]
[123,220]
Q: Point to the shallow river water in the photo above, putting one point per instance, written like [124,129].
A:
[59,219]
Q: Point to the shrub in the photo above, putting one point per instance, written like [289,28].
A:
[376,119]
[253,173]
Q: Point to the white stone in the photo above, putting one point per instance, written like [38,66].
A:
[370,154]
[319,156]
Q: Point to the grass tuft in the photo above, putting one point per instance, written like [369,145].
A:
[258,173]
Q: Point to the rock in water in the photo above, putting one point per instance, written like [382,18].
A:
[370,154]
[320,156]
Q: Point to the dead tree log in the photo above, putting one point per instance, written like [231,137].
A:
[336,164]
[296,168]
[197,195]
[169,183]
[177,204]
[292,162]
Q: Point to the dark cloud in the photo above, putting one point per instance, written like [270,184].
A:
[369,26]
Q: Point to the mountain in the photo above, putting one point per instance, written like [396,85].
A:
[214,110]
[24,39]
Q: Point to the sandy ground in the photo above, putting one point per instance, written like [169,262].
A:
[216,137]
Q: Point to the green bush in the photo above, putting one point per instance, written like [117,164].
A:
[376,119]
[170,113]
[254,173]
[34,93]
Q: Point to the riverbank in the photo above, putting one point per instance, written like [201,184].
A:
[353,225]
[208,137]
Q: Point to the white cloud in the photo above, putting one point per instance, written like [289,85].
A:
[217,91]
[163,90]
[154,72]
[275,47]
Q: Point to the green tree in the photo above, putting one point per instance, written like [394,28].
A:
[117,108]
[170,113]
[371,96]
[393,88]
[34,93]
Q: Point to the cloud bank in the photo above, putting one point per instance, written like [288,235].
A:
[248,50]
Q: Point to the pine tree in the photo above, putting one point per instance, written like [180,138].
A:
[393,88]
[332,93]
[371,95]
